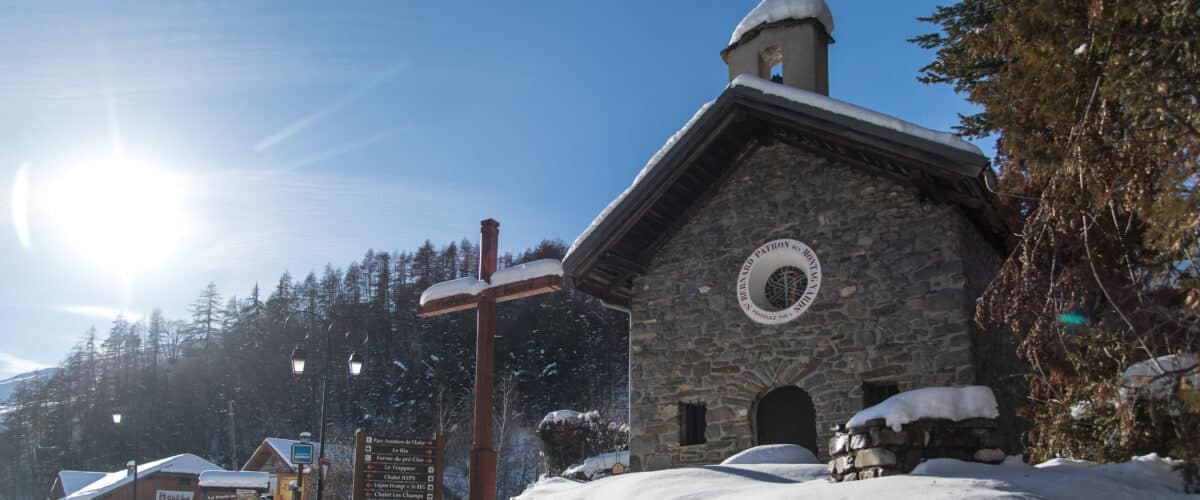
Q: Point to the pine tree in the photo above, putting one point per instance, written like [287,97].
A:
[1096,110]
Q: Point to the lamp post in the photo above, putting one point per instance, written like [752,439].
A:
[299,360]
[132,464]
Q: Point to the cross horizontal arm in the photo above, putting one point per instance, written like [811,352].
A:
[503,293]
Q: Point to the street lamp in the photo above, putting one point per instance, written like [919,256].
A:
[298,361]
[132,464]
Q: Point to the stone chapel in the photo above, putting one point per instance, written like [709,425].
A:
[787,259]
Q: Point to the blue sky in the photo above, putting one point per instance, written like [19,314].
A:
[297,134]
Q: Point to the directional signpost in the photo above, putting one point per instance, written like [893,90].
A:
[398,468]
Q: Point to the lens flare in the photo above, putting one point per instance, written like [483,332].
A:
[124,216]
[20,207]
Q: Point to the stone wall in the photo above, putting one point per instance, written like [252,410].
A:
[893,305]
[876,450]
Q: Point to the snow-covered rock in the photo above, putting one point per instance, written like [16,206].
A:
[769,11]
[951,403]
[1140,479]
[1156,379]
[773,454]
[599,465]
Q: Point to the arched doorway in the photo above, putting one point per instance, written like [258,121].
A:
[786,415]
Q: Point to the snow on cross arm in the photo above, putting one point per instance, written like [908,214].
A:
[527,271]
[461,286]
[951,403]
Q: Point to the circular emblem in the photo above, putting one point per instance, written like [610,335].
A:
[778,282]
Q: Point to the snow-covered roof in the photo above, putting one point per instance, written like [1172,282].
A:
[770,11]
[230,479]
[472,286]
[846,113]
[186,463]
[857,113]
[73,480]
[283,448]
[952,403]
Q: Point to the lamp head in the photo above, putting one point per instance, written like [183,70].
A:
[298,355]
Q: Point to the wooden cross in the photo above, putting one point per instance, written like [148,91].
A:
[483,293]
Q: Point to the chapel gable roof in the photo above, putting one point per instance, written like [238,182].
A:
[750,113]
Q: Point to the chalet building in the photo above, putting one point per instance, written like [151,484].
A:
[171,478]
[787,258]
[67,482]
[274,456]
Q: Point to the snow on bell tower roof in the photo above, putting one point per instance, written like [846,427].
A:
[769,11]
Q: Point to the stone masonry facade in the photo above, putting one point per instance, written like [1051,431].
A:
[894,305]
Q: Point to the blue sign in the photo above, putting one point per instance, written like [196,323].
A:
[302,453]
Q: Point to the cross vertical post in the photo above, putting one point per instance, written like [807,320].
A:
[483,457]
[492,286]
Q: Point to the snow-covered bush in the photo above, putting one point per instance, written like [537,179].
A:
[569,437]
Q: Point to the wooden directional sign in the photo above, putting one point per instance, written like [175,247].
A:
[397,468]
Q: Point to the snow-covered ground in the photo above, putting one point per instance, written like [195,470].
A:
[1141,478]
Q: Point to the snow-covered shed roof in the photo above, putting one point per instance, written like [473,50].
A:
[73,480]
[186,463]
[622,239]
[772,11]
[282,449]
[231,479]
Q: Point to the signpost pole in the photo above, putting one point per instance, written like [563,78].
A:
[483,458]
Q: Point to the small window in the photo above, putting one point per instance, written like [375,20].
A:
[691,424]
[875,392]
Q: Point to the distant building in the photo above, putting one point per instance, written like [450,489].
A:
[787,259]
[274,456]
[172,478]
[70,481]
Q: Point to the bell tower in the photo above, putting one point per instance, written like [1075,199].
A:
[784,40]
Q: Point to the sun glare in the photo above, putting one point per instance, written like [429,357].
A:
[124,216]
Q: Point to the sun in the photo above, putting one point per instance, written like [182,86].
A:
[122,215]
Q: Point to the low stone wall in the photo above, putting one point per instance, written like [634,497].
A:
[875,450]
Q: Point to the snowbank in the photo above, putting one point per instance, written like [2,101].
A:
[773,454]
[951,403]
[598,465]
[769,11]
[1140,479]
